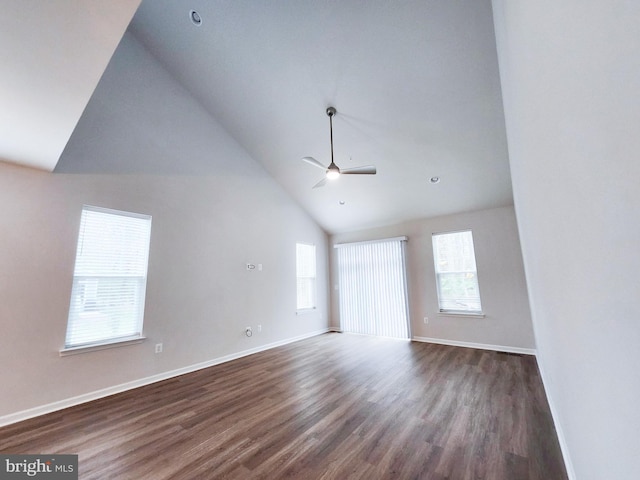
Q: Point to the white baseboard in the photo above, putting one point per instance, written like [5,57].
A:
[482,346]
[561,438]
[105,392]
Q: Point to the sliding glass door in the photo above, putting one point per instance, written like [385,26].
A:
[373,288]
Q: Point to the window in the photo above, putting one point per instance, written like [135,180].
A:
[109,279]
[456,275]
[306,276]
[373,288]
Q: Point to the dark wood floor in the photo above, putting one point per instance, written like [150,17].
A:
[335,406]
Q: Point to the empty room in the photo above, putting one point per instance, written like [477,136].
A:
[319,239]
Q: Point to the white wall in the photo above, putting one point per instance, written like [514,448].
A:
[206,227]
[52,54]
[500,272]
[570,78]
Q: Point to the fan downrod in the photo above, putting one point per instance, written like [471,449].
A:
[332,171]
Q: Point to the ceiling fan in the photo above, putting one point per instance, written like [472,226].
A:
[332,171]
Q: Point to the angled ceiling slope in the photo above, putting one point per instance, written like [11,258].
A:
[415,83]
[52,54]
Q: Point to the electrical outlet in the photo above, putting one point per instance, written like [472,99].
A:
[158,348]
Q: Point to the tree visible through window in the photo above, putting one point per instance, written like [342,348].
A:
[110,277]
[456,274]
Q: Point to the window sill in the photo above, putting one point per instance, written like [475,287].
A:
[461,314]
[306,311]
[101,346]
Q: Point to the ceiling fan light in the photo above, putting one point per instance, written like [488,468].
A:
[333,171]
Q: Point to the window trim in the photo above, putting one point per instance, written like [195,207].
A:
[120,342]
[305,310]
[450,312]
[112,342]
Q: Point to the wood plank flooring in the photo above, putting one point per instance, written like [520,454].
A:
[335,406]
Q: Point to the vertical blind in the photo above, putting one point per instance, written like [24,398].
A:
[373,289]
[110,277]
[305,276]
[456,275]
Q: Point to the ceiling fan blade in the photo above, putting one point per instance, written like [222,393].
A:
[364,170]
[320,183]
[314,162]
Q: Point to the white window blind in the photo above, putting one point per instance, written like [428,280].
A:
[456,274]
[110,277]
[306,276]
[373,289]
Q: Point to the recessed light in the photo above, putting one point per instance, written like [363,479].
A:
[195,17]
[341,202]
[434,180]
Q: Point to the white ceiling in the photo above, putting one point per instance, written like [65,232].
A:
[415,83]
[52,55]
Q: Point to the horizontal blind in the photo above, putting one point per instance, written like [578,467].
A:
[456,273]
[372,286]
[110,276]
[306,276]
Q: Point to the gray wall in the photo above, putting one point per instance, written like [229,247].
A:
[206,227]
[570,78]
[500,272]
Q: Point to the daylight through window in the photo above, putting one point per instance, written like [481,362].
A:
[109,279]
[306,276]
[456,274]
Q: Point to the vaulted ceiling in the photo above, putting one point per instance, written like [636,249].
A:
[52,55]
[415,84]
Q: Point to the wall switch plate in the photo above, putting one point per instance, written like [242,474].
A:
[259,328]
[426,320]
[158,348]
